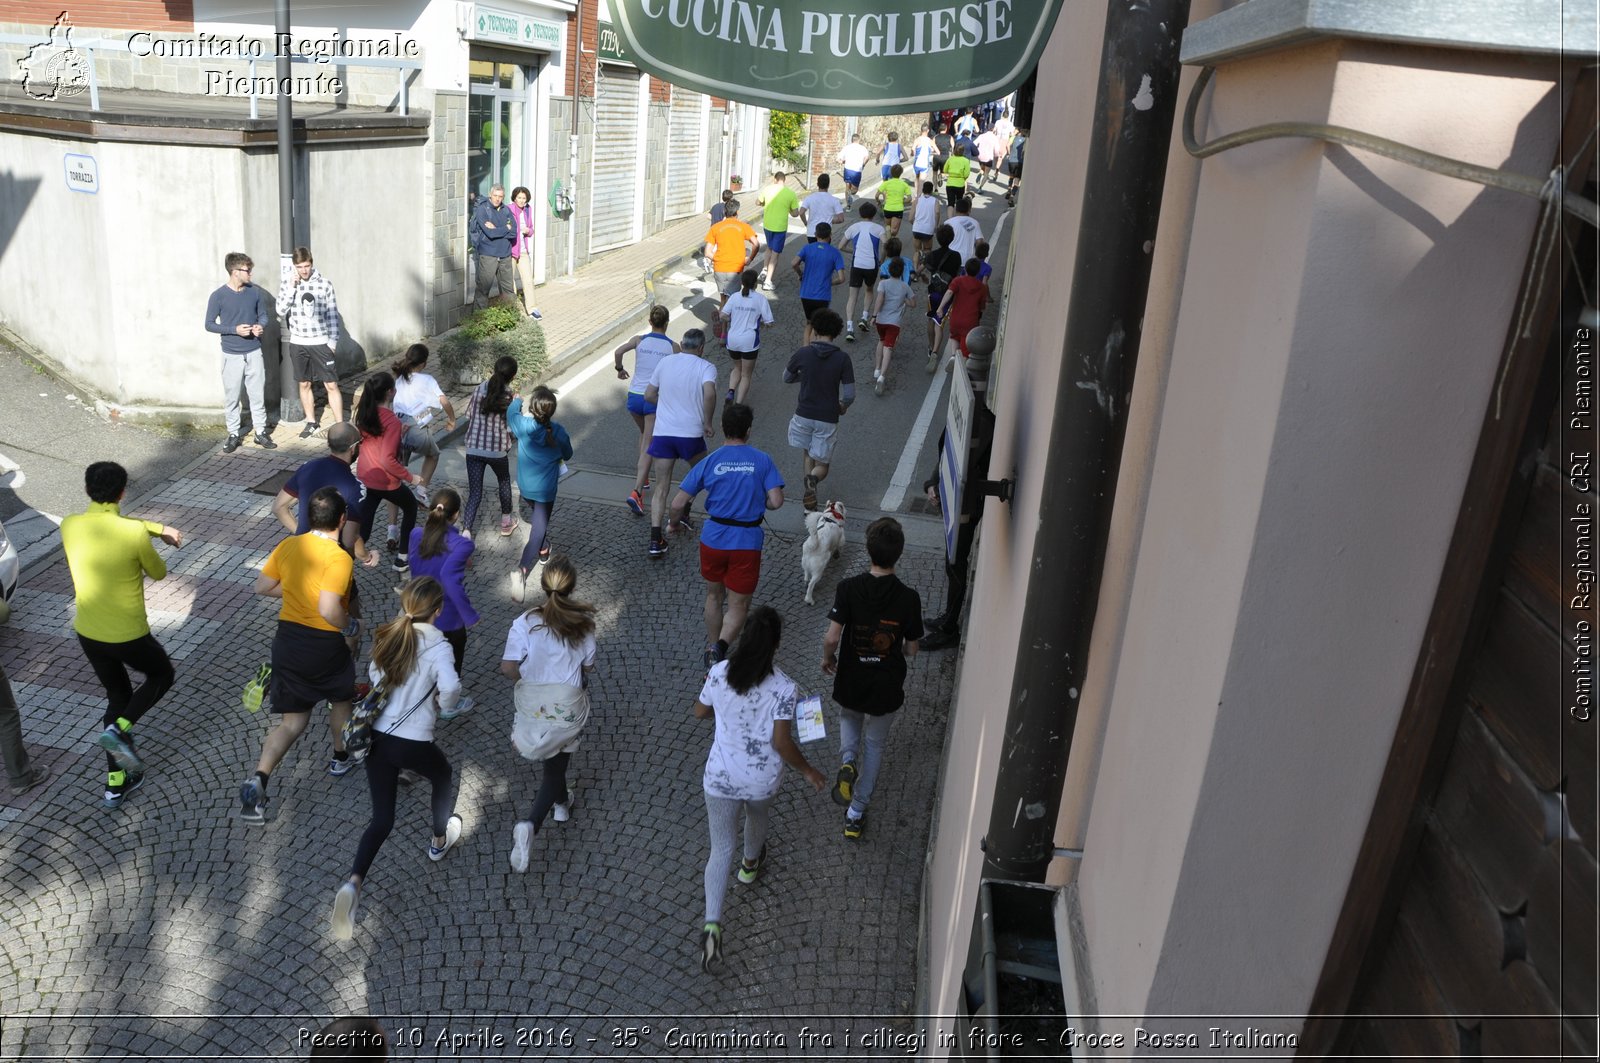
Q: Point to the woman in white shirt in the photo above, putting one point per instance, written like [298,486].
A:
[549,651]
[753,704]
[415,665]
[744,313]
[416,396]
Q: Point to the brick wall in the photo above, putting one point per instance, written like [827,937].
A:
[591,41]
[660,91]
[106,14]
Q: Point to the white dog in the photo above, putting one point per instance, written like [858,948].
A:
[824,536]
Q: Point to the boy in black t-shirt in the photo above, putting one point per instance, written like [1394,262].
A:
[873,630]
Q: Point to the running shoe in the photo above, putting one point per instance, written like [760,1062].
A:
[844,784]
[730,395]
[544,552]
[710,657]
[521,842]
[343,922]
[711,947]
[121,749]
[682,526]
[252,802]
[339,768]
[256,689]
[749,872]
[519,584]
[508,524]
[393,542]
[462,707]
[231,444]
[658,549]
[35,777]
[265,442]
[850,335]
[452,834]
[636,502]
[113,798]
[401,563]
[535,314]
[561,813]
[877,386]
[311,429]
[853,827]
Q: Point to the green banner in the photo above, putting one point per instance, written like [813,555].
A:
[830,57]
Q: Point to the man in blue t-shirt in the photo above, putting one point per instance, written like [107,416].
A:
[741,483]
[821,269]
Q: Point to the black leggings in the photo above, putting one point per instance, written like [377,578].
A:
[111,661]
[458,646]
[502,477]
[388,757]
[400,496]
[552,789]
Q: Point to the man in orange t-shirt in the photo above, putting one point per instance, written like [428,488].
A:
[731,245]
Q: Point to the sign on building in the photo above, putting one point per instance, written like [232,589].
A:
[493,24]
[953,461]
[83,173]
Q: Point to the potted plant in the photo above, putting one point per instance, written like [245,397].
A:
[736,183]
[469,353]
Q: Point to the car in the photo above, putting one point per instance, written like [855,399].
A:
[10,570]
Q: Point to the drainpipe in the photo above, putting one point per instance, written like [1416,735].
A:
[574,143]
[1132,137]
[288,394]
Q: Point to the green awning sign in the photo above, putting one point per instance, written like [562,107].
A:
[830,57]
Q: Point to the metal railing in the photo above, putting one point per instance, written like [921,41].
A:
[90,48]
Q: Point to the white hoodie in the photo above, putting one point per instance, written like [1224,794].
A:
[410,711]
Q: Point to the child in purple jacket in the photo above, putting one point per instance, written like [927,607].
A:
[440,550]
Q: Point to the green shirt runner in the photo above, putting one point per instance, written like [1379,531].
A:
[779,200]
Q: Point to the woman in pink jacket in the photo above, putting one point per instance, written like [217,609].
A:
[522,246]
[378,465]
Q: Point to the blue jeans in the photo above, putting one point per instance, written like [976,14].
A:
[851,724]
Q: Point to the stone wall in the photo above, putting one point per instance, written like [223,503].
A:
[446,166]
[828,134]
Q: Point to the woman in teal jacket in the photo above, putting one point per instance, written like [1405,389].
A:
[542,446]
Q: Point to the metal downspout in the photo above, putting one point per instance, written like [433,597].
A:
[1132,137]
[288,395]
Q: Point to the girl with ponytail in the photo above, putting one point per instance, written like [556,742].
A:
[744,313]
[442,550]
[488,443]
[549,651]
[411,659]
[753,705]
[378,464]
[542,447]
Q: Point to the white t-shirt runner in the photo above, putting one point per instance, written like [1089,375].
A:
[854,157]
[647,354]
[542,657]
[746,315]
[820,206]
[926,219]
[968,233]
[742,765]
[678,380]
[415,396]
[866,236]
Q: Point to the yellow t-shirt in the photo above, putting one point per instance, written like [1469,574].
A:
[956,169]
[306,565]
[727,238]
[894,192]
[109,556]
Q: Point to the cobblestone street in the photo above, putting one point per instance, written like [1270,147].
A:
[171,907]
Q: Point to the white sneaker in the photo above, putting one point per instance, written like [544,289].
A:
[521,840]
[561,813]
[766,286]
[452,834]
[463,707]
[343,923]
[519,584]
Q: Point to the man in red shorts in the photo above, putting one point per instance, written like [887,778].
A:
[741,483]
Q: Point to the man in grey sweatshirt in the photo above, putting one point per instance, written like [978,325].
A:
[235,312]
[827,388]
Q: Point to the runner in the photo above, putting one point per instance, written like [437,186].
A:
[742,318]
[779,204]
[956,170]
[440,550]
[488,443]
[549,651]
[741,484]
[989,153]
[820,208]
[864,241]
[968,231]
[109,556]
[378,464]
[892,193]
[1015,155]
[943,151]
[966,125]
[963,302]
[684,389]
[922,157]
[313,651]
[894,295]
[411,660]
[821,269]
[875,621]
[827,388]
[853,159]
[890,155]
[731,245]
[942,265]
[542,448]
[924,223]
[648,350]
[753,705]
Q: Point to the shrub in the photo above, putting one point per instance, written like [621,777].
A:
[786,132]
[500,316]
[471,358]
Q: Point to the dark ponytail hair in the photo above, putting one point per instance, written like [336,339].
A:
[442,510]
[415,358]
[748,280]
[377,389]
[542,407]
[497,393]
[751,659]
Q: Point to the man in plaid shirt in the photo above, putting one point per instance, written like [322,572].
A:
[306,299]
